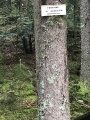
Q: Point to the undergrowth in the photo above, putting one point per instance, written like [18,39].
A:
[79,98]
[79,93]
[17,94]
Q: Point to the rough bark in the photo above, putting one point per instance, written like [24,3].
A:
[51,65]
[85,41]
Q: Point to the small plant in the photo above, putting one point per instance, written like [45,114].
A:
[83,92]
[80,90]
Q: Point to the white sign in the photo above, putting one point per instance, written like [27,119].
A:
[50,10]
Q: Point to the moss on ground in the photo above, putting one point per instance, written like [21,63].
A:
[17,97]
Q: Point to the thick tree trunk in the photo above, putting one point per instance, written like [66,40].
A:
[51,65]
[85,41]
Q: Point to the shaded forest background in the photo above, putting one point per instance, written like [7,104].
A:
[18,95]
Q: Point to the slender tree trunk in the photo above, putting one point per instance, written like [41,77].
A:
[51,65]
[85,41]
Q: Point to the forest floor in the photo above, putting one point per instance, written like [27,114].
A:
[18,96]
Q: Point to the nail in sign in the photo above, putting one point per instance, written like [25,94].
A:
[50,10]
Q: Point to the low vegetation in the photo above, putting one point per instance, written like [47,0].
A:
[17,93]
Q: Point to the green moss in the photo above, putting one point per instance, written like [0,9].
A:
[19,79]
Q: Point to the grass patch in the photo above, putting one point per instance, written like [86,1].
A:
[17,96]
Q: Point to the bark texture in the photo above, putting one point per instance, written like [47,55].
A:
[51,65]
[85,41]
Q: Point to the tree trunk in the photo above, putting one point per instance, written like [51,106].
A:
[51,65]
[85,41]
